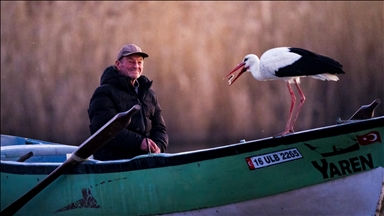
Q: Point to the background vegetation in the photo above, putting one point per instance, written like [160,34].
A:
[53,54]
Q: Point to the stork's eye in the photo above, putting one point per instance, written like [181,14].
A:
[246,59]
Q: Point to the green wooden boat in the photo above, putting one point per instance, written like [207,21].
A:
[333,170]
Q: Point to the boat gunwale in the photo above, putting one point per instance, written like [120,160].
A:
[174,159]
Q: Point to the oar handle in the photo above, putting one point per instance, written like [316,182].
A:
[106,133]
[86,149]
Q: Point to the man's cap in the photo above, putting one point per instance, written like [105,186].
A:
[130,49]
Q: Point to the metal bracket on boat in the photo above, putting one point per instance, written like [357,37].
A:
[364,112]
[25,157]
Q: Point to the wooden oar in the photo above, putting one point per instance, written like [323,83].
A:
[86,149]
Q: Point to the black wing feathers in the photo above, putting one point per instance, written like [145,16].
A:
[310,64]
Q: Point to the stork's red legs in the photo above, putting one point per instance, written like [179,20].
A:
[302,100]
[288,127]
[292,119]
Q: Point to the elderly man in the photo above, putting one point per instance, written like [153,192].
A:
[122,85]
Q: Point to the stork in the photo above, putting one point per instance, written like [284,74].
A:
[288,64]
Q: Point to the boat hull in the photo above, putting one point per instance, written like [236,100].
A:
[321,171]
[353,195]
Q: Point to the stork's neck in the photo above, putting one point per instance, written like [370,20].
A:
[254,68]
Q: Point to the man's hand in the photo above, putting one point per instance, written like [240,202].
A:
[152,146]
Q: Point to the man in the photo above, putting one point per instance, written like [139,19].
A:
[121,87]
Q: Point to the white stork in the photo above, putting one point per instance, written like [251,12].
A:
[288,64]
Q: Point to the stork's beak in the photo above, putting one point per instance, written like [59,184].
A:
[231,78]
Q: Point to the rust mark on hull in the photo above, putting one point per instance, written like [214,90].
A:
[88,201]
[112,180]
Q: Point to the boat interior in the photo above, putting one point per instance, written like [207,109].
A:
[21,149]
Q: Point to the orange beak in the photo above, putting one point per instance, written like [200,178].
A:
[231,75]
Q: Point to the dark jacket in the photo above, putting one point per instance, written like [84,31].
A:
[116,94]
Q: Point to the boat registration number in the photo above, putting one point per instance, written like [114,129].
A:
[260,161]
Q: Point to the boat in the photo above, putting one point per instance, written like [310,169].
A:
[332,170]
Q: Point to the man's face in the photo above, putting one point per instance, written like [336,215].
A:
[131,66]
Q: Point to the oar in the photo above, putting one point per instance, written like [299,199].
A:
[86,149]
